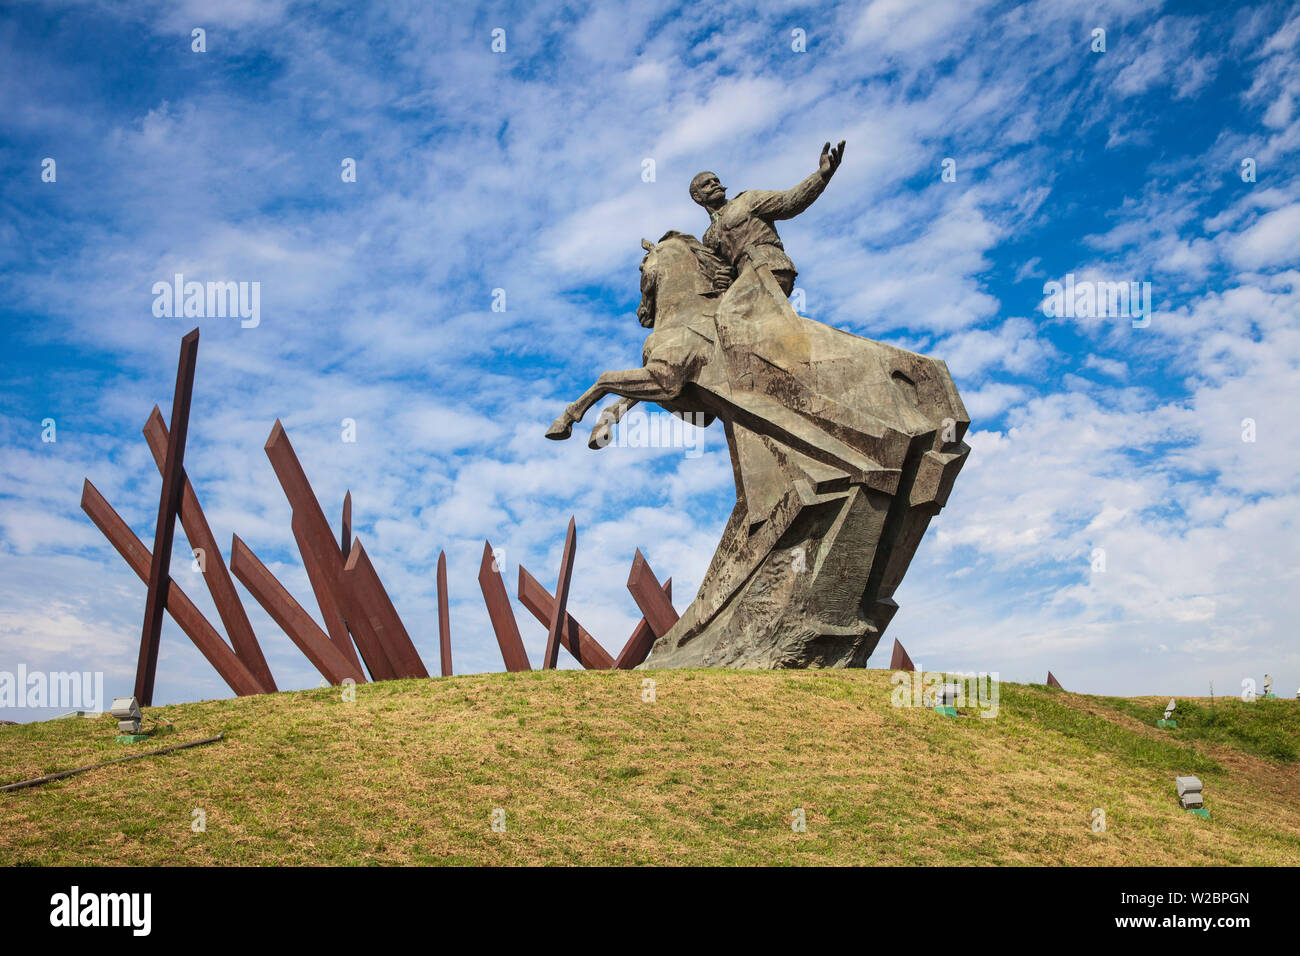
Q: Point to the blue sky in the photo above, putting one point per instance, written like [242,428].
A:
[522,170]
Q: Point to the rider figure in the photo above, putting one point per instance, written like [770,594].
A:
[743,227]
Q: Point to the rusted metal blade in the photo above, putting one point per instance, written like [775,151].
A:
[899,661]
[369,643]
[376,604]
[1053,682]
[444,616]
[585,648]
[169,502]
[649,596]
[199,534]
[638,645]
[503,618]
[320,539]
[560,606]
[345,536]
[329,609]
[372,647]
[182,609]
[290,615]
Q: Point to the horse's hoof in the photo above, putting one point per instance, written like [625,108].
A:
[560,429]
[600,437]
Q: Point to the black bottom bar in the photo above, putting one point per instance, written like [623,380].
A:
[934,907]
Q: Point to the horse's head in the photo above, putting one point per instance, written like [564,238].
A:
[645,312]
[678,265]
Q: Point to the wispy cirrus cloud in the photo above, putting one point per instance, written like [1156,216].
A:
[522,171]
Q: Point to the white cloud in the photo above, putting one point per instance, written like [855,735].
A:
[1272,240]
[524,172]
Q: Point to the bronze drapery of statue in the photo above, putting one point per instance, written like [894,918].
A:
[843,448]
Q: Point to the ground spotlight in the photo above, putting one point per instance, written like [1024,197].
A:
[1189,794]
[128,714]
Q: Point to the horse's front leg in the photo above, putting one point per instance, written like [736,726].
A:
[635,383]
[562,427]
[602,432]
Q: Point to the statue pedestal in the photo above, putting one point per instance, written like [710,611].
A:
[843,449]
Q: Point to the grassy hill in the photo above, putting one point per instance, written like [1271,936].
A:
[710,772]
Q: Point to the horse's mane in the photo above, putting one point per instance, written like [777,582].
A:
[709,263]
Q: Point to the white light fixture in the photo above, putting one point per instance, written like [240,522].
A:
[128,714]
[1189,792]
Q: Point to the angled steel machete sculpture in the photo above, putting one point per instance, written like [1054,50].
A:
[843,450]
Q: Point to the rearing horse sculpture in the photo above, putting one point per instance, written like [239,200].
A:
[843,450]
[678,302]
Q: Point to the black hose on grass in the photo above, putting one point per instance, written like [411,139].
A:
[37,781]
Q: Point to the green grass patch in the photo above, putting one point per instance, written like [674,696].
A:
[715,771]
[1264,728]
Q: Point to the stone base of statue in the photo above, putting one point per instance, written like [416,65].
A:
[843,449]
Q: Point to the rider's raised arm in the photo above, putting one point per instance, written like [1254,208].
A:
[772,204]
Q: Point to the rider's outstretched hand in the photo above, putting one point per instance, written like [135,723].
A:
[831,159]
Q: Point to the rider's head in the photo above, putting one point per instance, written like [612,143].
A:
[707,190]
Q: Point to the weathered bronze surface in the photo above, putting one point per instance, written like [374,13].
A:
[843,448]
